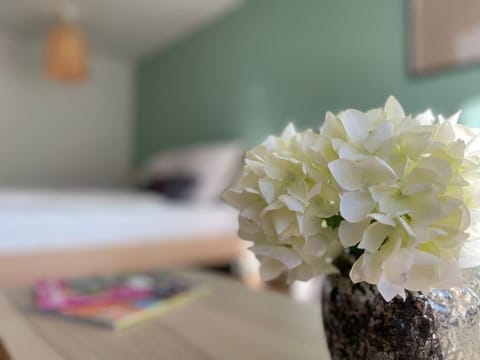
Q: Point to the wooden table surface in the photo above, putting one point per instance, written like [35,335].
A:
[230,322]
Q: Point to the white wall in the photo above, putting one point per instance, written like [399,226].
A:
[53,134]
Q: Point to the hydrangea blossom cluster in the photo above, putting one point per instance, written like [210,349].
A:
[399,191]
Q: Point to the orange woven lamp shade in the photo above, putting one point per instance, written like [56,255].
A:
[67,53]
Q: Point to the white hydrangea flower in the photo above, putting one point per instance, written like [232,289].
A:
[404,186]
[283,196]
[401,190]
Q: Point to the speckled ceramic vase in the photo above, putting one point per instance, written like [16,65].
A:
[439,325]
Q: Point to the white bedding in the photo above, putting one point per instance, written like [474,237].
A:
[32,221]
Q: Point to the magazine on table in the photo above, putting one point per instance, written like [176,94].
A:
[115,301]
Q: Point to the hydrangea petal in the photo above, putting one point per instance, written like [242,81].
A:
[397,266]
[393,109]
[271,143]
[389,290]
[281,220]
[355,206]
[315,191]
[278,168]
[261,249]
[440,167]
[288,132]
[267,188]
[413,144]
[312,225]
[383,133]
[428,208]
[336,144]
[444,133]
[300,218]
[291,232]
[346,150]
[367,268]
[356,125]
[305,272]
[249,230]
[273,206]
[298,190]
[346,173]
[240,199]
[376,171]
[425,118]
[270,269]
[316,245]
[325,204]
[356,270]
[375,117]
[332,127]
[420,278]
[470,254]
[423,258]
[420,180]
[391,246]
[406,226]
[292,203]
[350,234]
[286,256]
[453,119]
[252,212]
[390,200]
[256,166]
[473,145]
[280,253]
[449,274]
[374,236]
[382,218]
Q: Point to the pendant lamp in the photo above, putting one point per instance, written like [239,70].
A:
[67,50]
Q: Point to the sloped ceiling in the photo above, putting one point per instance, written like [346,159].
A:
[132,28]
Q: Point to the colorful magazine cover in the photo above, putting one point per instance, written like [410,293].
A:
[115,301]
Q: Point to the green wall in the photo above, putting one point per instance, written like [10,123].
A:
[274,61]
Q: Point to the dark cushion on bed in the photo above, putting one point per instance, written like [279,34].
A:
[177,187]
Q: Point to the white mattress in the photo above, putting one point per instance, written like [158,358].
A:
[32,221]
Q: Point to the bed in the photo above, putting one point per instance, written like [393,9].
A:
[74,233]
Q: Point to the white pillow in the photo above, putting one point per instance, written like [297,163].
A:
[214,166]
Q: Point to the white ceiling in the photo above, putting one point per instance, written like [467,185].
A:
[127,27]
